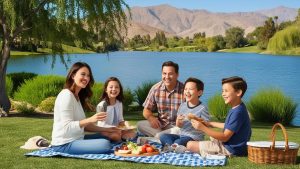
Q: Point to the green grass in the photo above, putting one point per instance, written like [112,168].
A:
[15,131]
[292,51]
[249,49]
[41,51]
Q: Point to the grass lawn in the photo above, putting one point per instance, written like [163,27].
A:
[43,51]
[15,131]
[249,49]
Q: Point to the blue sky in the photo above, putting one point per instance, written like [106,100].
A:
[219,5]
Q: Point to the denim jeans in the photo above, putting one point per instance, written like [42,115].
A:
[174,138]
[91,144]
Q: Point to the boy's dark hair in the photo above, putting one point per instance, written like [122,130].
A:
[199,83]
[170,63]
[237,83]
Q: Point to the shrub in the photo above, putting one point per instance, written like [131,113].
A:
[47,105]
[19,78]
[128,99]
[97,92]
[25,108]
[36,90]
[285,39]
[9,86]
[142,91]
[271,105]
[217,107]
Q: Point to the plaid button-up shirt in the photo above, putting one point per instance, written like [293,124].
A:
[165,102]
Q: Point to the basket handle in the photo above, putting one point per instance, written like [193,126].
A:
[284,133]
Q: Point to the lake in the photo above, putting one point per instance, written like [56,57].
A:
[134,68]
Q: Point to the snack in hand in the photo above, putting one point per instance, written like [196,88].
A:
[192,116]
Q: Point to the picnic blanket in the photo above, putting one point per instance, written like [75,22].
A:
[185,159]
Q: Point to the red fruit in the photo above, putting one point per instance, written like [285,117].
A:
[144,149]
[149,149]
[125,148]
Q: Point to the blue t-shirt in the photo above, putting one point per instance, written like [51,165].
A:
[238,121]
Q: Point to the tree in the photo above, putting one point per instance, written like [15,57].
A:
[53,22]
[234,37]
[267,31]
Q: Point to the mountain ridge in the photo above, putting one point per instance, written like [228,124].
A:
[186,22]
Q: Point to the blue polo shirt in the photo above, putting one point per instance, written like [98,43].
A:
[238,121]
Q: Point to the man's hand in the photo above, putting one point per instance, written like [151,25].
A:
[154,122]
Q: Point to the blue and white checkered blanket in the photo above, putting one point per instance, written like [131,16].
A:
[186,159]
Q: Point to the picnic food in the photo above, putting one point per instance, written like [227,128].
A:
[132,149]
[192,116]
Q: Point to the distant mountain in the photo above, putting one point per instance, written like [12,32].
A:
[283,13]
[184,22]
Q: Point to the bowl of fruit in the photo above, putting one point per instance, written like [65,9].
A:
[131,149]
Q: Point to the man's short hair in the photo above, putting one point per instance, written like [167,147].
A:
[170,63]
[237,83]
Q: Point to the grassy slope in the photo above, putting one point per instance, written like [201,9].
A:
[249,49]
[66,48]
[15,131]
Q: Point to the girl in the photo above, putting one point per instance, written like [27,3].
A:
[111,102]
[69,118]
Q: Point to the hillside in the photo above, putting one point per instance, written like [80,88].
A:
[184,22]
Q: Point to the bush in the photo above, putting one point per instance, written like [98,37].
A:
[9,86]
[19,78]
[271,105]
[97,92]
[217,107]
[142,91]
[128,99]
[38,89]
[47,105]
[285,39]
[25,108]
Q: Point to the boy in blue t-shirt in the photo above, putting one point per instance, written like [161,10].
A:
[236,129]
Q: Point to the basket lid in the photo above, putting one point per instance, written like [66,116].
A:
[278,144]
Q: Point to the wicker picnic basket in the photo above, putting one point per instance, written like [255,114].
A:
[273,152]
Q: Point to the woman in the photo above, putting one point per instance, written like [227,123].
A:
[69,118]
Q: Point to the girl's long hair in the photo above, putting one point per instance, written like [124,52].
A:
[104,96]
[85,93]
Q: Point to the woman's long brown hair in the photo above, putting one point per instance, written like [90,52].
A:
[85,93]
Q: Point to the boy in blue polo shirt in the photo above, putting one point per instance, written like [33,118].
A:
[236,129]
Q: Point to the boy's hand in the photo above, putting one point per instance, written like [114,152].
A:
[197,125]
[179,120]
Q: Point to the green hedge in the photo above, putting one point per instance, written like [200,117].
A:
[9,86]
[38,89]
[217,107]
[141,92]
[19,78]
[97,92]
[271,105]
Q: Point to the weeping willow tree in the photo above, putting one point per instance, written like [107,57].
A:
[285,39]
[42,22]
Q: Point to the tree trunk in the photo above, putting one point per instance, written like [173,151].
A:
[5,53]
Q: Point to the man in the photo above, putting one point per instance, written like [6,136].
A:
[165,97]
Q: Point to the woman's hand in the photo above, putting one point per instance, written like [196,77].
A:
[101,116]
[114,130]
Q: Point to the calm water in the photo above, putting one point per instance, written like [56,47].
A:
[134,68]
